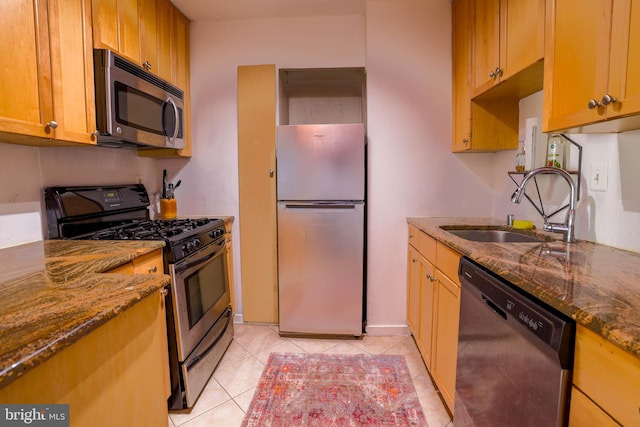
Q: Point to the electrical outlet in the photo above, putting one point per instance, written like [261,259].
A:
[598,177]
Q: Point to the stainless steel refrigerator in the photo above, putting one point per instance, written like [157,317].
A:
[321,228]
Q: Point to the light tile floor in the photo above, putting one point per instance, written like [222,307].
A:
[227,396]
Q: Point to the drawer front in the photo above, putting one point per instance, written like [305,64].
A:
[424,243]
[608,375]
[428,247]
[584,412]
[448,261]
[414,236]
[149,264]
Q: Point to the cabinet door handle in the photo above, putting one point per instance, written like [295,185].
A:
[153,269]
[608,99]
[52,124]
[496,73]
[271,173]
[593,104]
[465,141]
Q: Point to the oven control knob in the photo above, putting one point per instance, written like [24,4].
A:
[191,246]
[215,233]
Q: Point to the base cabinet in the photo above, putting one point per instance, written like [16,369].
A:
[606,379]
[433,308]
[115,376]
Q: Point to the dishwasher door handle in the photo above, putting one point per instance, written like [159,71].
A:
[494,307]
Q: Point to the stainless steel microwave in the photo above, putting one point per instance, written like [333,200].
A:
[134,108]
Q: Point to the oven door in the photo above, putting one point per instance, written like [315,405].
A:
[201,294]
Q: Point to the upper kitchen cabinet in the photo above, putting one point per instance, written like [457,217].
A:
[150,33]
[46,73]
[116,27]
[156,30]
[484,124]
[508,42]
[180,71]
[592,66]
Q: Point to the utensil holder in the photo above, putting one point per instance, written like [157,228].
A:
[168,208]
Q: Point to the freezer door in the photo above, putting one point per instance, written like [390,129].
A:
[320,268]
[321,162]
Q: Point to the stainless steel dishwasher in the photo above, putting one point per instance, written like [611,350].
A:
[515,355]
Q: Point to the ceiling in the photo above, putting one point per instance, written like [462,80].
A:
[222,10]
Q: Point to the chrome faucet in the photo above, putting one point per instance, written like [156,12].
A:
[568,228]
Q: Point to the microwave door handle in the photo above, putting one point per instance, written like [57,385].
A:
[177,117]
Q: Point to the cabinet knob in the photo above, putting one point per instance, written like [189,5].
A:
[271,173]
[593,104]
[465,141]
[52,124]
[153,269]
[147,65]
[608,99]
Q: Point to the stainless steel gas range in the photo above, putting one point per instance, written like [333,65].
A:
[199,317]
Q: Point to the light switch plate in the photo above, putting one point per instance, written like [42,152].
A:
[598,178]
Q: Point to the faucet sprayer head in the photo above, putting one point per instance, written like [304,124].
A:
[516,196]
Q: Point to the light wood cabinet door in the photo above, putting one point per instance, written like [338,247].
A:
[608,375]
[592,85]
[445,349]
[522,24]
[116,375]
[462,13]
[26,104]
[116,27]
[624,76]
[257,191]
[508,37]
[576,62]
[413,291]
[179,64]
[156,33]
[72,71]
[484,125]
[148,25]
[585,413]
[166,34]
[425,339]
[46,72]
[486,46]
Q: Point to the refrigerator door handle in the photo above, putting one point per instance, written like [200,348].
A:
[321,206]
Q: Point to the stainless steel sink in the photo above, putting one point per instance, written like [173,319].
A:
[493,235]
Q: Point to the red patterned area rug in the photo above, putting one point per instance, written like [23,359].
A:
[335,390]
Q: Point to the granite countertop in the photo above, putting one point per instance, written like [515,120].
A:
[597,285]
[53,292]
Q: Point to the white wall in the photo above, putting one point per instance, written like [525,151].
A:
[411,169]
[26,170]
[405,47]
[210,179]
